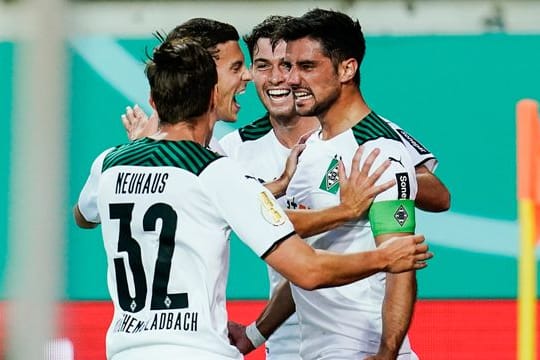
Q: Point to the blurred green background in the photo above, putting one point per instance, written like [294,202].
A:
[455,93]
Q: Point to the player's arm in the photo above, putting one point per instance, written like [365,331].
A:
[80,220]
[397,309]
[85,211]
[357,191]
[321,268]
[432,193]
[390,219]
[277,310]
[278,187]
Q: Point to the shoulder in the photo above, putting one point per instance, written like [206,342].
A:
[186,155]
[374,127]
[256,129]
[231,142]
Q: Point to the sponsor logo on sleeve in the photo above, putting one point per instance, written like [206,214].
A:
[270,210]
[396,160]
[401,215]
[403,185]
[415,144]
[254,178]
[330,181]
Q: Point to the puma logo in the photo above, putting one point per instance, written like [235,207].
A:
[396,160]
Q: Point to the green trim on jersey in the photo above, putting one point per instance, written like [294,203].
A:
[256,129]
[373,127]
[187,155]
[392,216]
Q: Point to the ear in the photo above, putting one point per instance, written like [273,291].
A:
[347,69]
[151,102]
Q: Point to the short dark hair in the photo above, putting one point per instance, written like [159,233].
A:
[266,29]
[340,36]
[207,32]
[182,75]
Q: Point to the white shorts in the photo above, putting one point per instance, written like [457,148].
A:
[340,347]
[344,354]
[170,352]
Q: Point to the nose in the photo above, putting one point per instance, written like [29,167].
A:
[293,78]
[277,76]
[246,74]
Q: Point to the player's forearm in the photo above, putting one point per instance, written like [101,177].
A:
[321,268]
[311,222]
[80,220]
[278,309]
[432,193]
[398,306]
[337,270]
[277,187]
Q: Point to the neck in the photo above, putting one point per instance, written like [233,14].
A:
[198,129]
[347,111]
[288,131]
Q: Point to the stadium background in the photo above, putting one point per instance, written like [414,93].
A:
[456,93]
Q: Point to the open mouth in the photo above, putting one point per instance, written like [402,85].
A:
[239,92]
[278,94]
[300,95]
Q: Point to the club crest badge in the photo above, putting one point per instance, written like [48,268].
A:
[330,181]
[401,215]
[271,211]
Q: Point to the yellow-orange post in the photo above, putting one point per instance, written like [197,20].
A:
[528,172]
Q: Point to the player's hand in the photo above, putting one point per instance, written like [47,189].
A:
[238,338]
[405,253]
[138,124]
[358,189]
[279,186]
[292,162]
[292,159]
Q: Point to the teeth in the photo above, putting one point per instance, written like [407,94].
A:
[279,92]
[240,92]
[301,94]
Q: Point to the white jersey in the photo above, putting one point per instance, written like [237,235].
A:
[166,210]
[420,155]
[257,149]
[349,317]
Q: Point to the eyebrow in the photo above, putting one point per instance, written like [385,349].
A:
[260,59]
[236,64]
[307,62]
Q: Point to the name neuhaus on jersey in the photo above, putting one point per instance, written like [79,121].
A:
[141,183]
[166,320]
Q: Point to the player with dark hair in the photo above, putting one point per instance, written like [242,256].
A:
[166,205]
[370,317]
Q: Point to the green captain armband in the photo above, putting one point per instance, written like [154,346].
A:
[392,216]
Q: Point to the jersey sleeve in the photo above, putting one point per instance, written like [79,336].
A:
[419,154]
[230,143]
[393,210]
[87,202]
[249,208]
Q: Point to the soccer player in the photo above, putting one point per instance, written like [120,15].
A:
[263,146]
[369,317]
[166,205]
[221,40]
